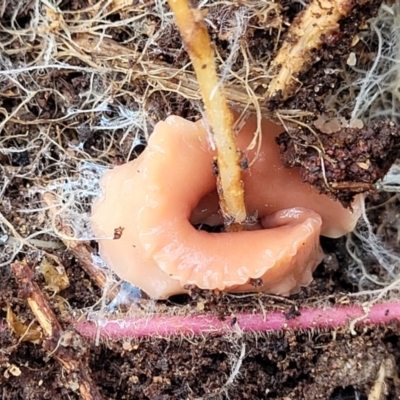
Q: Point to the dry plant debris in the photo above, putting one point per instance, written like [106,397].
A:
[82,250]
[65,346]
[55,277]
[29,333]
[220,118]
[386,370]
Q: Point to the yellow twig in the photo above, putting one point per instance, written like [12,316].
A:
[220,118]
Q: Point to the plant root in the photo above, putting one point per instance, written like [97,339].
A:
[220,118]
[306,34]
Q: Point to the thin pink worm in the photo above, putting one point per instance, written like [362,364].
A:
[165,326]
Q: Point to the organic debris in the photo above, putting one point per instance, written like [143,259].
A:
[81,249]
[344,163]
[65,346]
[29,333]
[55,276]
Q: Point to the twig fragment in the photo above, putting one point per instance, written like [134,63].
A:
[306,34]
[220,118]
[65,346]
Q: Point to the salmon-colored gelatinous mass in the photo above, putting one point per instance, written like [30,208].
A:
[158,197]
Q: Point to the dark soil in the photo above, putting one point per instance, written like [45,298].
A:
[282,365]
[353,159]
[46,145]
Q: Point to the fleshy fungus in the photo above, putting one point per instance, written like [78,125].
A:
[159,197]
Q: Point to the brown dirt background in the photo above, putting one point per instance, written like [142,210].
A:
[79,68]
